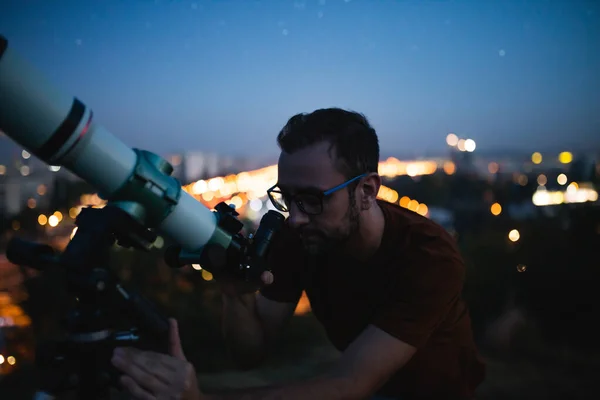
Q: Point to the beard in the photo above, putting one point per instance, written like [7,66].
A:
[318,243]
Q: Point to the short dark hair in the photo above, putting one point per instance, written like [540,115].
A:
[351,136]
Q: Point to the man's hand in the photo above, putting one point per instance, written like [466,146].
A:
[232,287]
[152,376]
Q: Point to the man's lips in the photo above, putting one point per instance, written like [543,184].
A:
[310,235]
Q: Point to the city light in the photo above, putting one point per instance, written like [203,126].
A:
[452,139]
[53,221]
[580,195]
[413,205]
[536,158]
[449,167]
[207,276]
[565,157]
[393,167]
[74,212]
[522,179]
[470,145]
[10,360]
[58,215]
[236,202]
[256,204]
[496,209]
[562,179]
[514,235]
[542,180]
[461,144]
[404,201]
[547,198]
[389,195]
[42,219]
[422,209]
[573,194]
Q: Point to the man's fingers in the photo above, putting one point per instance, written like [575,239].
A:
[151,370]
[150,375]
[134,389]
[174,341]
[142,376]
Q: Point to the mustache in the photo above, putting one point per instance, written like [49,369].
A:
[304,232]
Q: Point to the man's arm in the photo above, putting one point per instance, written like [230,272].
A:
[251,323]
[274,316]
[363,368]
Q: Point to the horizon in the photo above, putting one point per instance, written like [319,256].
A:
[14,150]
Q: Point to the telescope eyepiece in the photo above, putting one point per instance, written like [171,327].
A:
[270,224]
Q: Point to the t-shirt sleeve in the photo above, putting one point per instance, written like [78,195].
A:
[286,261]
[423,288]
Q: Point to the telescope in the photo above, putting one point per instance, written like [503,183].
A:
[143,200]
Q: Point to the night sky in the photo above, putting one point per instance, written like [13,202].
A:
[225,76]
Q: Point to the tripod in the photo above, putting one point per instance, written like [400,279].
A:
[81,361]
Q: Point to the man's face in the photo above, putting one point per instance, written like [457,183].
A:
[312,170]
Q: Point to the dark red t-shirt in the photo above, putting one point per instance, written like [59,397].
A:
[411,289]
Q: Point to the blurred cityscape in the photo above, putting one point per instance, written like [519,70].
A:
[528,226]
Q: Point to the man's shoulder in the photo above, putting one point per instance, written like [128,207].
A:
[412,236]
[404,223]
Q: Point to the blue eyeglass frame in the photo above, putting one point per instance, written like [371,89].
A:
[343,185]
[322,194]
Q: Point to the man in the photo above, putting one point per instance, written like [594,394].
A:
[385,283]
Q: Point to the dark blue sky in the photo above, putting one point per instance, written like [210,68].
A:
[226,75]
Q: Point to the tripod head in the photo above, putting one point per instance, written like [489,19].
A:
[142,198]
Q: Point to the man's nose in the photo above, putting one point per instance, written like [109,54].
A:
[297,217]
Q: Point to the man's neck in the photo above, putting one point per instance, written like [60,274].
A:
[367,239]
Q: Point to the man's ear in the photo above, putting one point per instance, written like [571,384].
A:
[369,188]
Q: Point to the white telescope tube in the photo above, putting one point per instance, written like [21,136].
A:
[59,129]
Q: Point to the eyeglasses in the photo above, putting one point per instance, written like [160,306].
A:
[309,202]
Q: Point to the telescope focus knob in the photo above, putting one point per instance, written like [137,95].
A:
[158,162]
